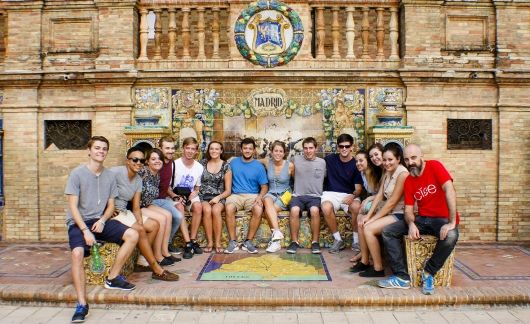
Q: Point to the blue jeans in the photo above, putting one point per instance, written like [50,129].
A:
[176,216]
[393,235]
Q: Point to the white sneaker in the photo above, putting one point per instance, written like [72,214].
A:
[276,235]
[274,246]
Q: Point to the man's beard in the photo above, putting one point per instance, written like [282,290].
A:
[415,170]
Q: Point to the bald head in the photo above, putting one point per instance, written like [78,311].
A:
[414,159]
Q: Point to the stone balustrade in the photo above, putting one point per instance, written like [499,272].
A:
[199,34]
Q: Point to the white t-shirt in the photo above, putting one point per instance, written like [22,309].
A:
[187,177]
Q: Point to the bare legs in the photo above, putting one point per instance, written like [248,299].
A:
[213,222]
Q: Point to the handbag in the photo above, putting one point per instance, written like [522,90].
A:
[183,192]
[286,197]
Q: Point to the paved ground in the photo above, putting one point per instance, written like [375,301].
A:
[484,274]
[12,314]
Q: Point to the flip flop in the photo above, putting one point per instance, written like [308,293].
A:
[207,249]
[356,257]
[219,250]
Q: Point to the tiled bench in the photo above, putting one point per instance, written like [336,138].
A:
[420,250]
[264,233]
[108,252]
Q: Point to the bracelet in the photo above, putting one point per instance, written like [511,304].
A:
[102,222]
[84,229]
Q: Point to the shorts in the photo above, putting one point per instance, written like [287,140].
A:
[398,216]
[112,233]
[127,218]
[242,201]
[305,202]
[335,198]
[277,201]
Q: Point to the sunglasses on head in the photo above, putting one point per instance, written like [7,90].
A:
[344,146]
[136,160]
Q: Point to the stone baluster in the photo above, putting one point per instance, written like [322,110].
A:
[172,33]
[365,33]
[158,33]
[143,35]
[394,34]
[380,34]
[186,33]
[200,33]
[321,34]
[335,33]
[350,32]
[215,33]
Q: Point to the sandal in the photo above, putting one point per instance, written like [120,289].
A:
[165,276]
[207,249]
[356,257]
[219,250]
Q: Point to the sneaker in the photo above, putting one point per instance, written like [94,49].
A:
[174,258]
[315,248]
[118,283]
[276,236]
[232,246]
[166,261]
[394,282]
[274,246]
[81,311]
[249,247]
[371,272]
[165,276]
[359,267]
[355,247]
[174,250]
[291,249]
[337,246]
[428,283]
[196,248]
[188,251]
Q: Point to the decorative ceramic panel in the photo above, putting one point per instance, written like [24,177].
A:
[387,101]
[268,33]
[269,114]
[152,107]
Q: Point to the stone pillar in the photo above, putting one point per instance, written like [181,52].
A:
[350,32]
[380,34]
[158,33]
[365,33]
[172,33]
[215,33]
[335,33]
[186,33]
[143,35]
[394,33]
[200,34]
[321,34]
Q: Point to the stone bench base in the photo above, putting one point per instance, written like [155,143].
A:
[108,252]
[263,234]
[419,251]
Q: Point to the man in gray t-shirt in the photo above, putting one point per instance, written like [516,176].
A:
[309,175]
[90,191]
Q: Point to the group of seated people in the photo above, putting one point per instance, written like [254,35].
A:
[387,191]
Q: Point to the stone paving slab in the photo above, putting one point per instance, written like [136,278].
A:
[509,285]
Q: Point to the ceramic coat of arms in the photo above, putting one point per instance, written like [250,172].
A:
[269,33]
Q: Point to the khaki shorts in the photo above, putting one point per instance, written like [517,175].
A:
[127,218]
[335,198]
[242,201]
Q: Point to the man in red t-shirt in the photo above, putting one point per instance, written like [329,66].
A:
[430,186]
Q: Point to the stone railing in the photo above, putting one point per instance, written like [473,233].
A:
[199,34]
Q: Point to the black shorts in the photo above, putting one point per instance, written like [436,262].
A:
[305,202]
[112,232]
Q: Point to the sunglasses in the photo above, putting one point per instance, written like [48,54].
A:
[136,160]
[344,146]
